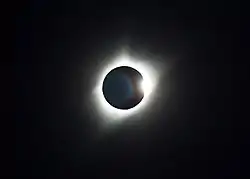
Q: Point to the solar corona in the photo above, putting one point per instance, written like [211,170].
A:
[124,86]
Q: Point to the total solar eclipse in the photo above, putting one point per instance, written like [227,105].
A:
[125,86]
[122,87]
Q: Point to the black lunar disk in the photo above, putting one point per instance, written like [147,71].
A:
[122,87]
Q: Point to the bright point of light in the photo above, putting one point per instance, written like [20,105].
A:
[142,86]
[150,80]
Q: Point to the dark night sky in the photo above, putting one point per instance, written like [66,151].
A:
[58,45]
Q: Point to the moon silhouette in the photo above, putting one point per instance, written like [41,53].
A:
[122,87]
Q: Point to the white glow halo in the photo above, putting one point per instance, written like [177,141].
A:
[150,74]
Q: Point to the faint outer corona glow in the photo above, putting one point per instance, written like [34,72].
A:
[150,76]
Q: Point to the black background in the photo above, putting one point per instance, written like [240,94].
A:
[59,43]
